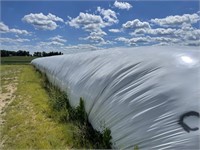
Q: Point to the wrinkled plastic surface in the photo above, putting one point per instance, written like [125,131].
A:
[138,93]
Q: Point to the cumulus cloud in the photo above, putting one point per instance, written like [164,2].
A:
[128,41]
[192,43]
[115,30]
[41,21]
[177,20]
[79,48]
[17,31]
[109,16]
[156,31]
[122,5]
[147,40]
[51,43]
[175,30]
[94,22]
[134,41]
[96,39]
[136,24]
[188,34]
[56,41]
[49,46]
[11,40]
[98,33]
[58,38]
[5,29]
[122,39]
[140,39]
[161,31]
[88,22]
[165,40]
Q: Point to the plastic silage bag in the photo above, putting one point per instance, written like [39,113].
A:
[146,96]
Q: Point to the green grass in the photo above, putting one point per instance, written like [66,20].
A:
[16,60]
[27,122]
[8,74]
[87,137]
[40,116]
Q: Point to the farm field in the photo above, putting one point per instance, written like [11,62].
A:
[17,60]
[25,113]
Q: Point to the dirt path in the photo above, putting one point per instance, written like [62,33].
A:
[7,90]
[7,97]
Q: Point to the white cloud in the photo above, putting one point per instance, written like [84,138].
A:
[183,33]
[105,42]
[58,38]
[115,30]
[122,5]
[14,41]
[136,24]
[193,43]
[177,20]
[165,40]
[97,37]
[79,48]
[17,31]
[94,22]
[138,40]
[88,22]
[98,40]
[5,29]
[98,33]
[122,39]
[51,43]
[50,46]
[156,31]
[191,34]
[186,35]
[127,41]
[93,38]
[109,16]
[56,41]
[41,21]
[161,31]
[147,40]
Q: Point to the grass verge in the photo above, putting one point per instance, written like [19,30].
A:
[87,137]
[27,122]
[41,118]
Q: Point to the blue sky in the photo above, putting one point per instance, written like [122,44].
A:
[69,26]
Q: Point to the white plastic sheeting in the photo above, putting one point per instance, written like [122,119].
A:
[140,94]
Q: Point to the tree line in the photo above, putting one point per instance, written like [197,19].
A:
[6,53]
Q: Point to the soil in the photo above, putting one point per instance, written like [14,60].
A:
[6,97]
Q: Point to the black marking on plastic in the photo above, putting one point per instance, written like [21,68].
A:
[184,125]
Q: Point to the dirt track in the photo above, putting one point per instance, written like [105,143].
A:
[7,90]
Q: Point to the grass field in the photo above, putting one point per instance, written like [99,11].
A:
[33,116]
[16,60]
[26,116]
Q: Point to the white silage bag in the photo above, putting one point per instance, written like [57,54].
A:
[146,96]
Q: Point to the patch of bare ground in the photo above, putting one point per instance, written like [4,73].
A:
[7,95]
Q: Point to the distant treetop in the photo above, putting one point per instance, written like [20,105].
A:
[7,53]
